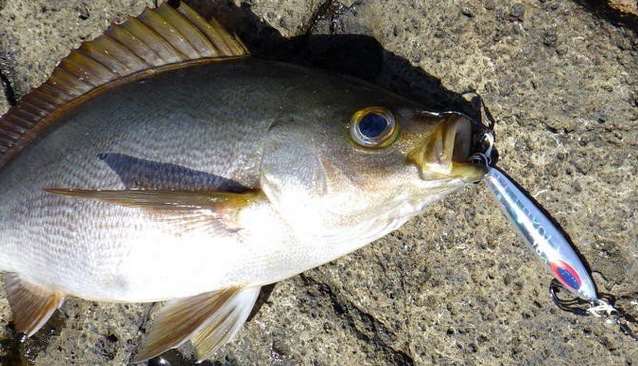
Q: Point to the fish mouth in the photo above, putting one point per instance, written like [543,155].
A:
[447,152]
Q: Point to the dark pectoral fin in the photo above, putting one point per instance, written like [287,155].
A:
[147,174]
[209,320]
[32,305]
[162,199]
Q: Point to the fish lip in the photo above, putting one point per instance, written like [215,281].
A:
[447,152]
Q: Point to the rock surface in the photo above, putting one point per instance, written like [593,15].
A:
[625,6]
[454,286]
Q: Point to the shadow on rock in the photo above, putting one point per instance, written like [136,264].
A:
[603,10]
[360,56]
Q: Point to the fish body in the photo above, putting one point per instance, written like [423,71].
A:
[205,181]
[219,119]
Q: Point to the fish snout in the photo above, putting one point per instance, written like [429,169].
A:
[447,151]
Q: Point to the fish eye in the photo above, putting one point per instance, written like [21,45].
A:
[373,127]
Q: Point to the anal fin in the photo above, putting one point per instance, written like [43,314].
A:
[209,320]
[32,305]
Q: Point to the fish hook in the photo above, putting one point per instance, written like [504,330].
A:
[486,118]
[574,305]
[604,308]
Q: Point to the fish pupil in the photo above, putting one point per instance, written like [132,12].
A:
[372,125]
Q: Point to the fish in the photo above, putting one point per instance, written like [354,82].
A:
[164,144]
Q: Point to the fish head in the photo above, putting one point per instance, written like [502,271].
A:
[419,158]
[366,166]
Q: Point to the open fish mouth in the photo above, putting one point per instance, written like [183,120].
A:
[448,150]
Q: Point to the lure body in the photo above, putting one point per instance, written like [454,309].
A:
[541,235]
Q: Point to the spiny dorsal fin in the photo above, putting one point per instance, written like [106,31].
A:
[32,305]
[159,39]
[210,320]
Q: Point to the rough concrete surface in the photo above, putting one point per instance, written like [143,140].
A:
[454,286]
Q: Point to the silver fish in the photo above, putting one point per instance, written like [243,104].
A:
[163,144]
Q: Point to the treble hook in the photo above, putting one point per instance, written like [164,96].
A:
[604,308]
[574,305]
[543,235]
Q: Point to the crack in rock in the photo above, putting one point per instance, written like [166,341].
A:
[9,92]
[321,13]
[364,325]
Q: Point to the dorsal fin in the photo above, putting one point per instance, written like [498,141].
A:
[159,39]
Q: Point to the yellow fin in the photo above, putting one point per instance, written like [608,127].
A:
[32,305]
[210,320]
[162,199]
[159,39]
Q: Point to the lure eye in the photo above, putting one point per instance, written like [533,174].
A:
[373,127]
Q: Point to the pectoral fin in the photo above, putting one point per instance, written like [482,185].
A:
[215,213]
[162,199]
[209,320]
[32,305]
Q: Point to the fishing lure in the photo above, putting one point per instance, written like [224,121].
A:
[541,235]
[551,245]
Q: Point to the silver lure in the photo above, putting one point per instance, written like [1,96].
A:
[542,236]
[550,243]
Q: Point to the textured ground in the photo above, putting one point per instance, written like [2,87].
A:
[626,6]
[453,286]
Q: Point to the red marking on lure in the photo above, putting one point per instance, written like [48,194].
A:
[566,274]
